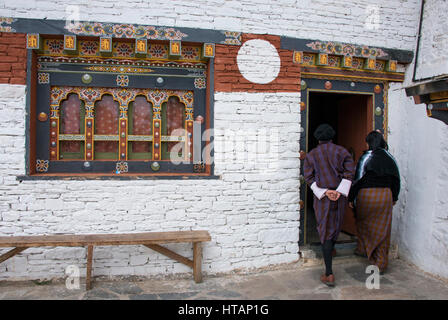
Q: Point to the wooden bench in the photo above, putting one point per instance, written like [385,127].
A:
[151,240]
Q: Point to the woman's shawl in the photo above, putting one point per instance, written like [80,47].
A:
[379,161]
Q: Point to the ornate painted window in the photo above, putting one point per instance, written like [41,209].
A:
[119,113]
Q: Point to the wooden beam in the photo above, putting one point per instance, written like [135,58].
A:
[170,254]
[197,262]
[89,267]
[11,253]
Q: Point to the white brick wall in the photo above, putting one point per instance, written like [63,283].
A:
[251,213]
[387,23]
[419,143]
[433,55]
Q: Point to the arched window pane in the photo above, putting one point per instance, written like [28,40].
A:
[72,115]
[106,123]
[141,124]
[173,118]
[175,114]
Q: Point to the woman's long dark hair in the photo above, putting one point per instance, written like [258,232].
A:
[375,140]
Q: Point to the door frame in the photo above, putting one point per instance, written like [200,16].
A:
[378,92]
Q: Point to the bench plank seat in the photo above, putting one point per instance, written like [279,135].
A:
[151,240]
[77,240]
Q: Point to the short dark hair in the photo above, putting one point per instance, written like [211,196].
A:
[376,140]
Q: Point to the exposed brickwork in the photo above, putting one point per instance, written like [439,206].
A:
[229,79]
[12,58]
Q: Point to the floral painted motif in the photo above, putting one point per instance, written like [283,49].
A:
[123,50]
[379,65]
[190,53]
[334,61]
[42,165]
[55,46]
[357,63]
[122,80]
[89,48]
[199,83]
[43,78]
[122,166]
[308,59]
[158,51]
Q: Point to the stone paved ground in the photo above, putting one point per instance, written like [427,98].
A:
[289,282]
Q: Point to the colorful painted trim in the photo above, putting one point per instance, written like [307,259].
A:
[120,50]
[118,69]
[122,65]
[346,49]
[4,24]
[232,38]
[125,31]
[310,59]
[123,96]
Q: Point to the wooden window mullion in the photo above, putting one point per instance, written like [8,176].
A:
[89,123]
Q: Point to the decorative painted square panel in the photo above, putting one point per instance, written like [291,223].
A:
[322,59]
[43,78]
[391,66]
[105,44]
[69,42]
[175,48]
[141,46]
[208,50]
[347,62]
[370,64]
[298,57]
[33,41]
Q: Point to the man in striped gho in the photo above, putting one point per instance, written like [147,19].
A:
[329,171]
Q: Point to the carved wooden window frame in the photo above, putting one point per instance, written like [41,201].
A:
[43,105]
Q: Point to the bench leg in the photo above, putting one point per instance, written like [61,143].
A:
[89,267]
[197,262]
[11,253]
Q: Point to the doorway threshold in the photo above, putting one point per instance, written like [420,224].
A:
[312,253]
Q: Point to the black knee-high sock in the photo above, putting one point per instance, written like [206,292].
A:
[327,248]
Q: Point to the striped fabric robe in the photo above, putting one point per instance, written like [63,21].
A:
[327,165]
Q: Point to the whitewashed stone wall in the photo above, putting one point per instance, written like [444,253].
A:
[388,23]
[251,213]
[420,223]
[433,55]
[420,220]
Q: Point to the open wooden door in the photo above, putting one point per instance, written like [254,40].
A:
[355,121]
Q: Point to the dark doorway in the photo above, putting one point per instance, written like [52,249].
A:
[351,115]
